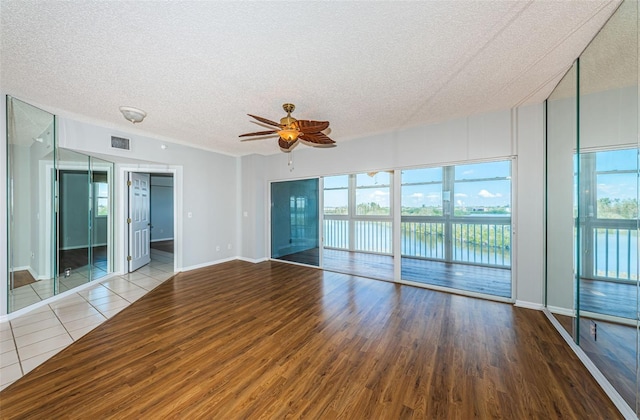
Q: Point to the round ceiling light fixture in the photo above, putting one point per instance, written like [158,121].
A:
[132,114]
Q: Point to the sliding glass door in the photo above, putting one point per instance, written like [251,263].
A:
[358,224]
[295,220]
[456,227]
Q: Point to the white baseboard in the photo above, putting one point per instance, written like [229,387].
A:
[611,392]
[36,276]
[253,260]
[608,318]
[529,305]
[561,311]
[207,264]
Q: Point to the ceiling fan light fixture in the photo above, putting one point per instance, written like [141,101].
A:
[289,134]
[132,114]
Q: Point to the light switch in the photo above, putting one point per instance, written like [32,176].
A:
[189,215]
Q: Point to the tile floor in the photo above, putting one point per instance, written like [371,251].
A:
[35,292]
[30,339]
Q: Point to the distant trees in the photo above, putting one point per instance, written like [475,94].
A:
[617,208]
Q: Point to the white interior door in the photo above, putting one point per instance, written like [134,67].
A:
[139,220]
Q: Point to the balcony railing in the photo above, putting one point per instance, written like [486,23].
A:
[615,252]
[481,242]
[369,235]
[423,239]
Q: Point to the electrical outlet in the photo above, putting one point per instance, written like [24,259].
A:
[594,331]
[218,248]
[229,246]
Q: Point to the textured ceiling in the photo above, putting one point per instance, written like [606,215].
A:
[197,68]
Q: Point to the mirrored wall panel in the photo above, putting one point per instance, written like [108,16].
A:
[59,210]
[607,172]
[592,284]
[31,156]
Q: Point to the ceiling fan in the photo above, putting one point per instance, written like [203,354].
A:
[291,130]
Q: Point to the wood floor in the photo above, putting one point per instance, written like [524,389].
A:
[474,278]
[166,246]
[22,278]
[274,340]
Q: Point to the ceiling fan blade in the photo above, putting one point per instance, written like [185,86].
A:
[266,121]
[258,133]
[307,126]
[317,138]
[285,144]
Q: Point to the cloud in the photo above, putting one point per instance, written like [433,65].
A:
[487,194]
[379,193]
[461,195]
[416,195]
[467,172]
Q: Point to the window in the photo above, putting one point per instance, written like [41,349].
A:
[422,192]
[336,194]
[373,191]
[101,199]
[617,184]
[482,189]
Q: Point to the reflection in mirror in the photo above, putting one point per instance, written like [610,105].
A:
[49,251]
[84,218]
[608,201]
[73,219]
[561,144]
[100,217]
[31,231]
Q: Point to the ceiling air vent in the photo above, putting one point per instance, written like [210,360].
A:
[119,143]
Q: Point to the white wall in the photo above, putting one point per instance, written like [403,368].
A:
[252,205]
[473,138]
[207,188]
[529,224]
[3,206]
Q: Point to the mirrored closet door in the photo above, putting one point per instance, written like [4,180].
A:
[59,210]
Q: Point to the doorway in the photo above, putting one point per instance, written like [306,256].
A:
[151,222]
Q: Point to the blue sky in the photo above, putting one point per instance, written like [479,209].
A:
[617,185]
[479,193]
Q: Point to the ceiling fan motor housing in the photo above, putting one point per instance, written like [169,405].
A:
[288,120]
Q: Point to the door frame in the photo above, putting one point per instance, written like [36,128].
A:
[122,209]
